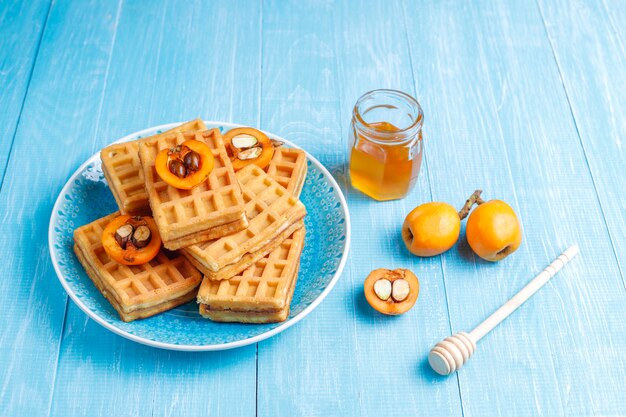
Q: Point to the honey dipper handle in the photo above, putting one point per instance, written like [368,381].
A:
[525,293]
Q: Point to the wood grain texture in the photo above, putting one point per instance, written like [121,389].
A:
[62,100]
[172,61]
[589,43]
[18,49]
[308,370]
[522,99]
[373,52]
[350,352]
[501,122]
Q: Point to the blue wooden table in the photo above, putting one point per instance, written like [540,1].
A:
[524,99]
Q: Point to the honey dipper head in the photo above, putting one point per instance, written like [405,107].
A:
[450,354]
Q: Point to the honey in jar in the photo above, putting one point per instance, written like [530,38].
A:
[387,147]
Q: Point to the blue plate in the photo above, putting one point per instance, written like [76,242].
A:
[86,197]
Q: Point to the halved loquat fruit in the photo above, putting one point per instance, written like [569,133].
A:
[131,240]
[185,166]
[391,292]
[246,146]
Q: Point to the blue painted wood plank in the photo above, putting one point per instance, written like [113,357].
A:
[160,75]
[21,25]
[374,53]
[206,64]
[497,117]
[318,59]
[62,102]
[501,121]
[309,369]
[616,13]
[589,42]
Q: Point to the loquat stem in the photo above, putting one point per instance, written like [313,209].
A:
[474,199]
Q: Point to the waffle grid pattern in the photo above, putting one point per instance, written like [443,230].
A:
[263,286]
[269,208]
[135,285]
[288,168]
[214,202]
[122,169]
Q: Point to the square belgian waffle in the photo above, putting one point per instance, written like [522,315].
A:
[288,168]
[273,213]
[210,210]
[260,294]
[140,291]
[122,169]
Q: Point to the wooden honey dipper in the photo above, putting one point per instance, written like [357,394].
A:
[450,354]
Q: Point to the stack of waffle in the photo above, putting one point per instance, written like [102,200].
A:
[121,168]
[212,209]
[243,231]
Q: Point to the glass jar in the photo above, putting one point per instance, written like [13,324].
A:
[387,147]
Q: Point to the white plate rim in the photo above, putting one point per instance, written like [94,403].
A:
[198,348]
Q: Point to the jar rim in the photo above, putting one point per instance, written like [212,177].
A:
[363,125]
